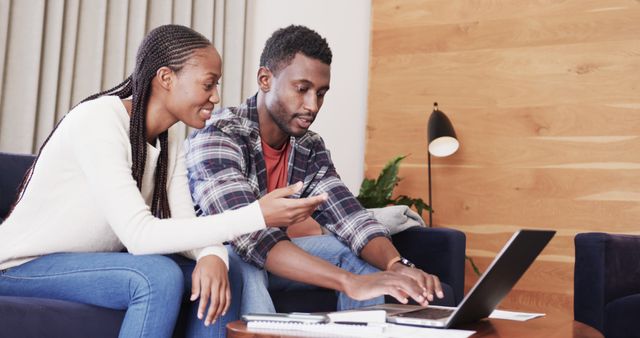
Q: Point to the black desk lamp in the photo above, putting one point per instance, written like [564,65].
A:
[442,142]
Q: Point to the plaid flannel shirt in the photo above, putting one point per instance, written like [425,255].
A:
[226,170]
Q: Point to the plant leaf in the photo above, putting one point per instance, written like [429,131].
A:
[368,196]
[473,265]
[367,187]
[388,178]
[417,203]
[377,193]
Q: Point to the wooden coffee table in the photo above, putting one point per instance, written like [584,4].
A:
[547,327]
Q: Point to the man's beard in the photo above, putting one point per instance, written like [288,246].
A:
[281,122]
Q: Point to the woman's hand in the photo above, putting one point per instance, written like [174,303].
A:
[210,283]
[280,211]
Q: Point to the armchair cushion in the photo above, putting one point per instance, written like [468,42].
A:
[606,272]
[439,251]
[621,317]
[39,317]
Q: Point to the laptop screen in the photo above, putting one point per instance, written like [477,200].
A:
[503,273]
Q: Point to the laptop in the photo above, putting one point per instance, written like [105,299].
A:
[503,273]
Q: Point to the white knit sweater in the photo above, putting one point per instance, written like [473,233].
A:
[82,197]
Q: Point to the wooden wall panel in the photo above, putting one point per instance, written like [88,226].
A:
[545,98]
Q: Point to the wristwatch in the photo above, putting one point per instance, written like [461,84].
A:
[406,262]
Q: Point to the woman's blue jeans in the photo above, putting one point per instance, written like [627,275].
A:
[149,287]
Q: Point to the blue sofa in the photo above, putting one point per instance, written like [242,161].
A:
[607,283]
[437,250]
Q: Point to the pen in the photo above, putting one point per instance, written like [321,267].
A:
[350,323]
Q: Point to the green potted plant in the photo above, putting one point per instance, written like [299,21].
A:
[378,193]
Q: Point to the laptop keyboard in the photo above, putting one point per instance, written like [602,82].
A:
[428,313]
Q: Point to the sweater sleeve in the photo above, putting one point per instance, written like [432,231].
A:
[180,200]
[100,144]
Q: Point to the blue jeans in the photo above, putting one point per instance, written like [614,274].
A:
[149,287]
[194,327]
[256,282]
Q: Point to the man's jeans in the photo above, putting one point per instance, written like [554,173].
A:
[257,282]
[149,287]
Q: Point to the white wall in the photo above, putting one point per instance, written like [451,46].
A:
[346,26]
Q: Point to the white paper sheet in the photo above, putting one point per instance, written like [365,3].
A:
[513,315]
[402,331]
[369,316]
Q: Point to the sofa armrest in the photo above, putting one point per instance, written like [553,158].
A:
[606,268]
[439,251]
[40,317]
[13,168]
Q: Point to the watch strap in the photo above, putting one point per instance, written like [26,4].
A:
[401,260]
[393,261]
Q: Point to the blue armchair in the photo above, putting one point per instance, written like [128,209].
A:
[437,250]
[607,283]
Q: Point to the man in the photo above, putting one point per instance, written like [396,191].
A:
[246,151]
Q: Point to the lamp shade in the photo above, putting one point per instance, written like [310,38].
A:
[442,138]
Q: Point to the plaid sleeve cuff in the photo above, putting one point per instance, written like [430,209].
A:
[365,229]
[345,217]
[254,247]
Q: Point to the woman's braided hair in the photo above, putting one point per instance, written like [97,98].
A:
[165,46]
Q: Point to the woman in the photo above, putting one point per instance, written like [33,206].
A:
[111,176]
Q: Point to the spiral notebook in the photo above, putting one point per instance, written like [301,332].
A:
[319,330]
[367,324]
[344,323]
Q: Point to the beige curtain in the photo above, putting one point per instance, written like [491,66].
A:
[54,53]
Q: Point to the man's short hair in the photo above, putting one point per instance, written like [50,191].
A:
[286,42]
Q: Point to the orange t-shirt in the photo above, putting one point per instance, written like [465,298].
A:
[276,161]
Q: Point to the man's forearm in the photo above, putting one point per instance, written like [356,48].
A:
[379,252]
[287,260]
